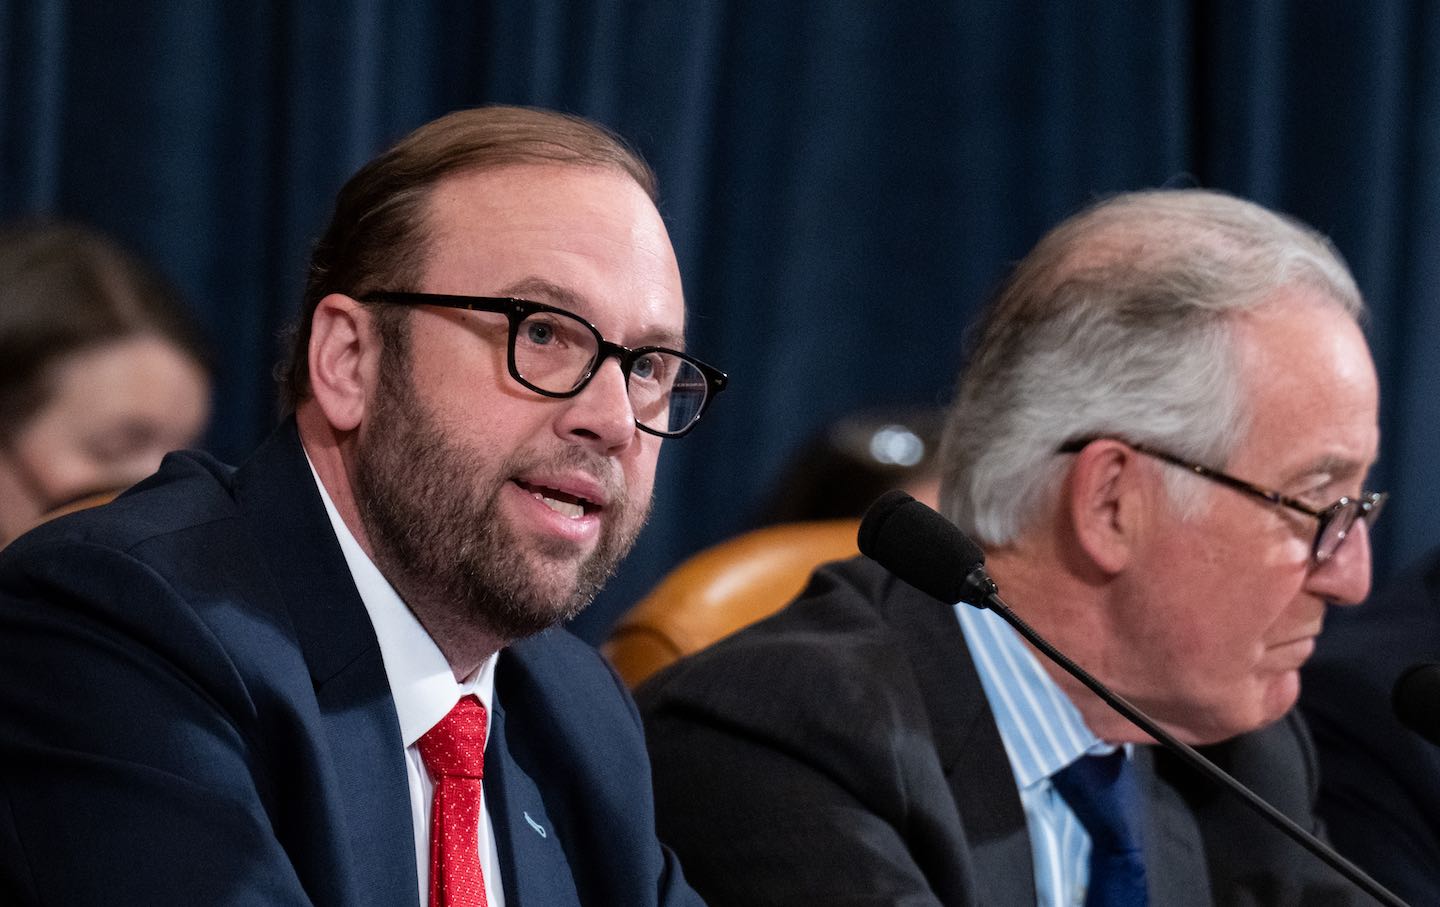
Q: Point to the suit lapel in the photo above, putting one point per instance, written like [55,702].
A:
[277,494]
[533,866]
[969,745]
[1175,866]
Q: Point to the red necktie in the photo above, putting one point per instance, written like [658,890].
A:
[454,755]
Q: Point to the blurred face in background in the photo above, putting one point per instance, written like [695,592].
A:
[111,412]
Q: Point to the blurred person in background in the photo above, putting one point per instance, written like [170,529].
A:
[854,460]
[101,372]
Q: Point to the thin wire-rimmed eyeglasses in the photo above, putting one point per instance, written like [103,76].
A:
[555,353]
[1333,523]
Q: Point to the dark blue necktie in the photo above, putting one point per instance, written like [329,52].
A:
[1102,792]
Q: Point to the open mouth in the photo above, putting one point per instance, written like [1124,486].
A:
[567,505]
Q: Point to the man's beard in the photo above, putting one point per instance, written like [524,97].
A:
[432,512]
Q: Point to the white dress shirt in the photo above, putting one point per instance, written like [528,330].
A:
[424,689]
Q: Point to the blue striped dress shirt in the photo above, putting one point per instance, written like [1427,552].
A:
[1043,732]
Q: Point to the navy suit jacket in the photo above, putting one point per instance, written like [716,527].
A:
[843,752]
[193,710]
[1380,781]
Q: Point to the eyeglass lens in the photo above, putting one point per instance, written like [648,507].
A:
[556,352]
[1336,524]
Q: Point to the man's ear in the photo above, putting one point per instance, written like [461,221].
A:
[344,360]
[1108,496]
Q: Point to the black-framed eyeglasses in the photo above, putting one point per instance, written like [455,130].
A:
[1333,523]
[555,353]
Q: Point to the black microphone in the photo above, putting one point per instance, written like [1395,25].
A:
[1416,700]
[923,548]
[930,553]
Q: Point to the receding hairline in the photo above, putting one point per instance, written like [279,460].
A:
[425,237]
[376,234]
[518,136]
[1158,230]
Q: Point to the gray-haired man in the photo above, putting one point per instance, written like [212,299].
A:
[1159,442]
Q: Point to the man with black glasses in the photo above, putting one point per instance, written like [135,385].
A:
[1159,442]
[331,676]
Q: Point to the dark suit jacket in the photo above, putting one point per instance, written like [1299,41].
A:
[193,710]
[843,752]
[1380,782]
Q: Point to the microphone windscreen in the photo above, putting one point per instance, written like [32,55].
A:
[919,546]
[1416,700]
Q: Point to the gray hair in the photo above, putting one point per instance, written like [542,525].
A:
[1119,323]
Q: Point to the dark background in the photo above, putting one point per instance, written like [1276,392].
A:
[844,181]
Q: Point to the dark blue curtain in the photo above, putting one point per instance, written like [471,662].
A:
[845,182]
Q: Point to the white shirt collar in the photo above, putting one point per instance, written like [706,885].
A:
[421,681]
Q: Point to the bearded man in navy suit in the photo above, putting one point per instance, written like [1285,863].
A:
[214,690]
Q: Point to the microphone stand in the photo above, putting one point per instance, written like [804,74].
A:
[980,582]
